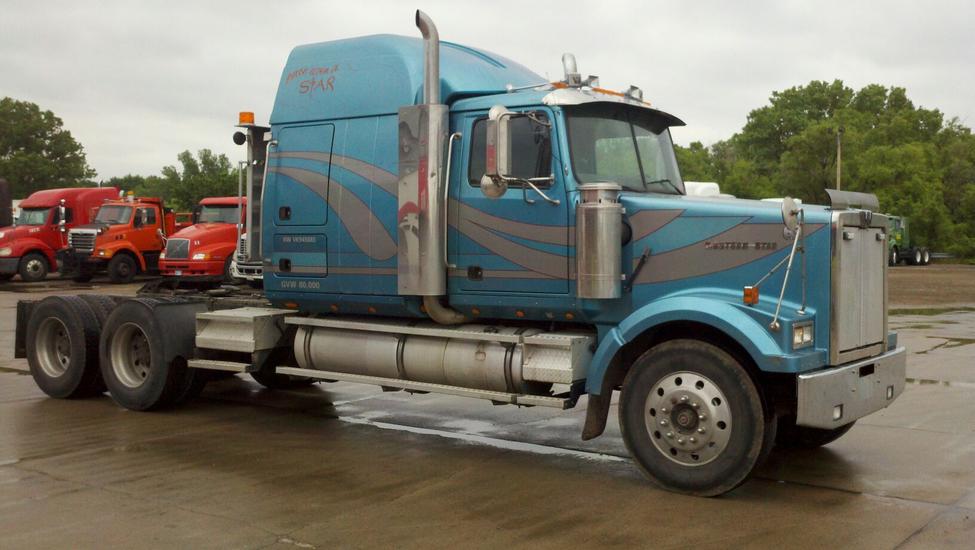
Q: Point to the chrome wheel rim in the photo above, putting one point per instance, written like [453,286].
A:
[130,355]
[34,267]
[688,418]
[53,347]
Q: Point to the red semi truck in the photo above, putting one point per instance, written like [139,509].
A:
[205,250]
[28,247]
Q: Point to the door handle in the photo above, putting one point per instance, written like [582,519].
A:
[528,183]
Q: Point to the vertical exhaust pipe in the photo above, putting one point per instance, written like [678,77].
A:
[431,58]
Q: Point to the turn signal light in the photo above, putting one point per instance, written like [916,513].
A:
[750,295]
[245,117]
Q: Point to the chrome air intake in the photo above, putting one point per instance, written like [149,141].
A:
[599,227]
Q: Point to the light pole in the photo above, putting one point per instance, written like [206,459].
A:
[839,157]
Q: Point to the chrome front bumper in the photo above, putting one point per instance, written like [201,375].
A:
[836,396]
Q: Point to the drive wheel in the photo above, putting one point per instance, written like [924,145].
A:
[925,256]
[33,267]
[133,360]
[693,419]
[803,437]
[894,257]
[916,257]
[122,268]
[62,347]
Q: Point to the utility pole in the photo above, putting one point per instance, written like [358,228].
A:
[839,157]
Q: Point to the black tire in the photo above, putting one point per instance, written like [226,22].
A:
[915,257]
[4,277]
[228,274]
[277,381]
[894,256]
[132,359]
[101,306]
[801,437]
[718,452]
[83,276]
[33,267]
[62,347]
[925,256]
[122,268]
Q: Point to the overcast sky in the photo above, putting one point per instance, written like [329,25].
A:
[137,82]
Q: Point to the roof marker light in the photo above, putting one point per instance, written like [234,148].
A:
[245,117]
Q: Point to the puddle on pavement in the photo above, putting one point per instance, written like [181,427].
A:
[949,342]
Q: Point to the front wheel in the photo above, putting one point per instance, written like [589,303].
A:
[693,419]
[122,268]
[33,268]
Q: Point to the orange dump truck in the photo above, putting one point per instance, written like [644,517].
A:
[126,237]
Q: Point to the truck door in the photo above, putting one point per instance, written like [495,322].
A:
[295,202]
[519,242]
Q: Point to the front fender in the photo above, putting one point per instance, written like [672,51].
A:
[20,247]
[755,338]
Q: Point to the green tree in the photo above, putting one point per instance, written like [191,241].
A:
[36,152]
[696,162]
[206,175]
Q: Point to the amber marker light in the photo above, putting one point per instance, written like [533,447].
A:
[750,296]
[245,117]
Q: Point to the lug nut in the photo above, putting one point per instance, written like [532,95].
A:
[680,440]
[663,410]
[683,399]
[670,435]
[700,430]
[695,405]
[702,417]
[693,440]
[663,422]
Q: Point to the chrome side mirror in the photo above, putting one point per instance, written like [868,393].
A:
[62,212]
[498,152]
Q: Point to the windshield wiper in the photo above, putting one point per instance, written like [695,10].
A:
[667,181]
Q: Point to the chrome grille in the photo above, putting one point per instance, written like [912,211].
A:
[81,240]
[242,247]
[859,316]
[177,249]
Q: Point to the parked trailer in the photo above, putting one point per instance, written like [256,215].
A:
[29,247]
[441,219]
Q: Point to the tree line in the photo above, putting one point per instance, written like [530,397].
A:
[918,163]
[37,152]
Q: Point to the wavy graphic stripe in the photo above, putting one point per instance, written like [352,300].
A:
[646,222]
[554,266]
[386,180]
[549,234]
[698,259]
[366,230]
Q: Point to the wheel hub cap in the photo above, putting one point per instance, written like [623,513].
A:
[53,347]
[688,418]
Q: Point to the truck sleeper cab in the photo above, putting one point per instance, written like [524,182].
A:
[204,251]
[459,225]
[29,247]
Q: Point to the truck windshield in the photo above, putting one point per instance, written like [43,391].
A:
[625,145]
[219,213]
[33,216]
[114,214]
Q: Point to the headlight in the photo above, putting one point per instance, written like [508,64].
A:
[802,335]
[101,252]
[2,234]
[6,251]
[162,255]
[200,256]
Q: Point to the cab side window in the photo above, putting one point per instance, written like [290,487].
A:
[534,158]
[150,216]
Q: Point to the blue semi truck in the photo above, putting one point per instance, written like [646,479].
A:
[431,217]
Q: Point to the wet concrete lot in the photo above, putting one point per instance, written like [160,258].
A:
[341,465]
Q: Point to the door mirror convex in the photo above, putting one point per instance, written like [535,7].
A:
[499,153]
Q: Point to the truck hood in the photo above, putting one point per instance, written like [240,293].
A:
[208,233]
[755,210]
[14,232]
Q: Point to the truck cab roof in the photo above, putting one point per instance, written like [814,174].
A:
[378,74]
[222,201]
[52,197]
